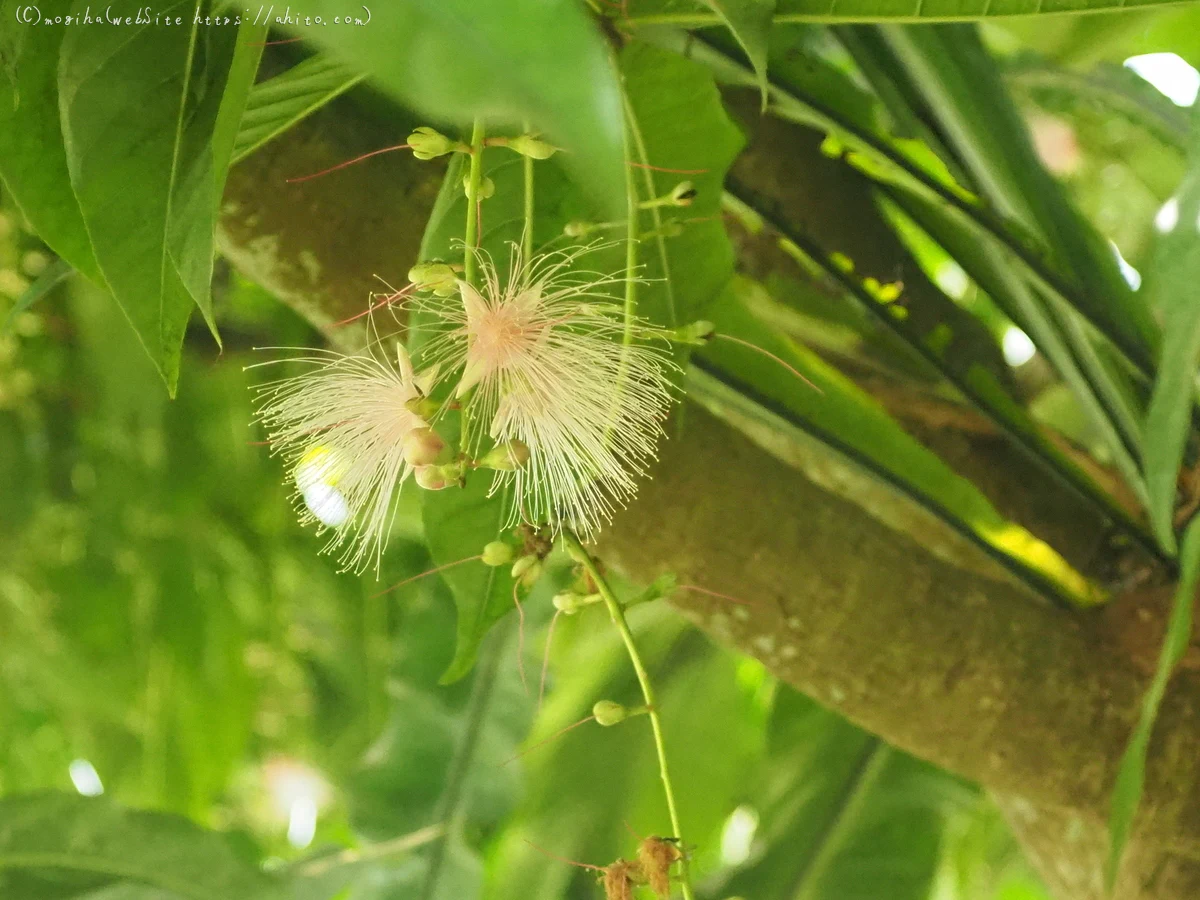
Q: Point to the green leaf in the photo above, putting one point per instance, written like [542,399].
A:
[841,814]
[838,414]
[278,103]
[509,61]
[459,522]
[1127,793]
[961,88]
[992,270]
[33,159]
[1170,286]
[227,130]
[55,273]
[750,23]
[679,122]
[439,760]
[913,11]
[139,105]
[587,788]
[96,840]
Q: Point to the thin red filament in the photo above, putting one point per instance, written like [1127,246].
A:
[552,737]
[638,165]
[426,574]
[770,355]
[390,298]
[520,637]
[349,162]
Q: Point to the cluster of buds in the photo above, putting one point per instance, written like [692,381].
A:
[655,858]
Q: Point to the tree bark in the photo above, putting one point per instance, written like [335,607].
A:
[891,618]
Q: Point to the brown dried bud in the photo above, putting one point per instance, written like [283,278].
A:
[656,856]
[620,878]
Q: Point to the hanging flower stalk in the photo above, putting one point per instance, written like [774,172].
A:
[351,439]
[572,417]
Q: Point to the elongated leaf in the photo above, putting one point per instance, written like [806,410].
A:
[139,105]
[238,86]
[588,788]
[438,762]
[961,86]
[33,160]
[841,814]
[1170,287]
[123,849]
[840,415]
[278,103]
[1127,793]
[750,22]
[809,96]
[55,273]
[678,122]
[462,522]
[991,269]
[833,11]
[508,62]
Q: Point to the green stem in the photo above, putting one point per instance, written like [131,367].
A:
[527,232]
[633,235]
[617,614]
[470,236]
[394,847]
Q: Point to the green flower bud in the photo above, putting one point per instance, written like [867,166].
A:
[425,407]
[527,145]
[434,276]
[527,569]
[506,457]
[487,187]
[609,713]
[698,333]
[427,143]
[571,602]
[432,478]
[497,553]
[423,447]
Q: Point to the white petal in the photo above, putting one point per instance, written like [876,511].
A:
[327,504]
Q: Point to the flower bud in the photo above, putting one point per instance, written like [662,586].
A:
[497,553]
[683,194]
[506,457]
[423,447]
[698,333]
[487,187]
[431,478]
[570,602]
[426,143]
[434,276]
[527,145]
[425,407]
[609,713]
[527,569]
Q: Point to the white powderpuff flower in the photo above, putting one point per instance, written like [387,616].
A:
[544,361]
[341,426]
